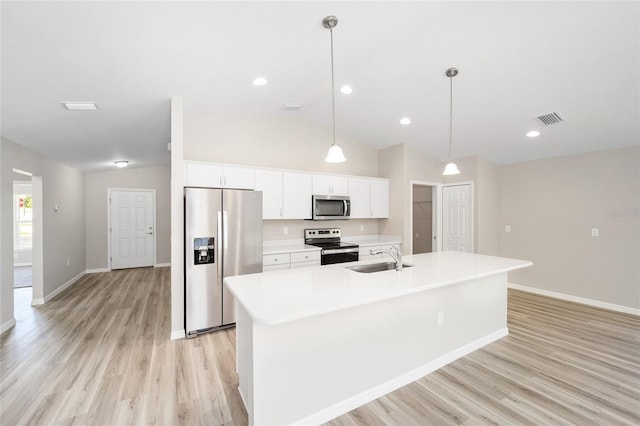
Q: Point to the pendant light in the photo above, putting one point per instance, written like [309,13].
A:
[335,154]
[451,168]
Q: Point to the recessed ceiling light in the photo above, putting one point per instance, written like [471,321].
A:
[80,106]
[346,89]
[260,81]
[121,163]
[533,134]
[405,121]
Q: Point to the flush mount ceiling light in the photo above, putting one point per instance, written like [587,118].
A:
[405,121]
[121,163]
[451,168]
[80,106]
[346,89]
[533,134]
[335,154]
[260,81]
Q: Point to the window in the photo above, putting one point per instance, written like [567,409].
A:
[23,229]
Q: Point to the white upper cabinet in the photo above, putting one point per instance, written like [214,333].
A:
[330,185]
[210,175]
[270,183]
[369,198]
[296,195]
[379,198]
[238,177]
[360,194]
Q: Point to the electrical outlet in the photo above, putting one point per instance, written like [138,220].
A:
[440,318]
[595,232]
[285,230]
[417,235]
[67,262]
[507,228]
[362,227]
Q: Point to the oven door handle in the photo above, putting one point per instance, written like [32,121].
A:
[339,251]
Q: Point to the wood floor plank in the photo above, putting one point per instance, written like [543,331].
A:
[99,354]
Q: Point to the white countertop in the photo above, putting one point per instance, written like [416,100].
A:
[282,296]
[287,248]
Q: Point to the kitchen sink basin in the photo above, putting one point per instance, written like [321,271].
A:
[377,267]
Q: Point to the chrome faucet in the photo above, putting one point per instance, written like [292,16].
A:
[394,252]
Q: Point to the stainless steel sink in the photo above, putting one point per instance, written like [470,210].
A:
[377,267]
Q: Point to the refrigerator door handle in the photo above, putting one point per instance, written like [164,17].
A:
[225,232]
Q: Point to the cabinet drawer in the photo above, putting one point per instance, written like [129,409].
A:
[305,256]
[305,264]
[269,268]
[276,259]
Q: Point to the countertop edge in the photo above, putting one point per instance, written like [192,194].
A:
[366,301]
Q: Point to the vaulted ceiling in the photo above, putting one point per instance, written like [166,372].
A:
[517,60]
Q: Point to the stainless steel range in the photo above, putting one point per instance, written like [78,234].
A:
[333,250]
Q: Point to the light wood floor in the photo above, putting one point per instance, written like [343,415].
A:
[100,354]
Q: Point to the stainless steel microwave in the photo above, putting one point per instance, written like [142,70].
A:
[330,207]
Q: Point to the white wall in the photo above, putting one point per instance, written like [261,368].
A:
[64,231]
[96,185]
[552,205]
[403,163]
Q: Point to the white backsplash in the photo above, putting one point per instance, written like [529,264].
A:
[274,229]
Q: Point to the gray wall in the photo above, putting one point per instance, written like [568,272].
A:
[64,231]
[552,205]
[96,185]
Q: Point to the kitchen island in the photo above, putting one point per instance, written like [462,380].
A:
[314,343]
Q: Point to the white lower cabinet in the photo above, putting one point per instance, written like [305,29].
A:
[293,260]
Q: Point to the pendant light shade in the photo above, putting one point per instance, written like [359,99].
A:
[335,154]
[451,168]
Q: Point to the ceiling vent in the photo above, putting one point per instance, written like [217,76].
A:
[549,119]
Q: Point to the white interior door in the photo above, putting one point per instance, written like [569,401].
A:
[132,217]
[456,221]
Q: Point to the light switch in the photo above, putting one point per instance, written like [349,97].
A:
[595,232]
[507,228]
[285,230]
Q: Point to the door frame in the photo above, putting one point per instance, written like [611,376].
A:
[472,200]
[155,230]
[436,214]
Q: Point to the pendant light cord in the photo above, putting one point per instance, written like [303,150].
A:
[450,119]
[333,94]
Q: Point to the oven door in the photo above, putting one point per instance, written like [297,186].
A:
[332,256]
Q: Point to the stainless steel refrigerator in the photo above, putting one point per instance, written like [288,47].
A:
[223,238]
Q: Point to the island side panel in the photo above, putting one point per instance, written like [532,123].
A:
[311,370]
[244,358]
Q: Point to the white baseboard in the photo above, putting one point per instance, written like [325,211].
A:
[7,325]
[60,289]
[577,299]
[162,265]
[369,395]
[37,302]
[97,270]
[22,264]
[177,334]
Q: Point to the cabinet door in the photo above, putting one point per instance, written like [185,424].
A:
[321,185]
[360,194]
[296,195]
[330,185]
[202,175]
[339,185]
[270,183]
[379,198]
[238,177]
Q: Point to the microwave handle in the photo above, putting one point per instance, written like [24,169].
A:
[346,207]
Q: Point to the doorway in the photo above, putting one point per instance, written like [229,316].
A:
[131,222]
[22,234]
[425,218]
